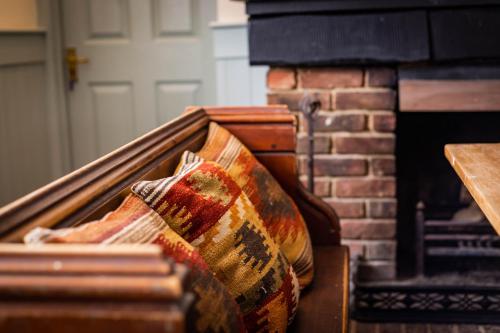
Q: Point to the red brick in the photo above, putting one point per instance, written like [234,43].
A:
[382,208]
[356,247]
[368,229]
[292,99]
[301,123]
[383,166]
[281,78]
[331,165]
[347,208]
[321,144]
[302,165]
[321,186]
[380,250]
[339,122]
[383,122]
[369,100]
[364,144]
[365,188]
[379,271]
[380,77]
[329,78]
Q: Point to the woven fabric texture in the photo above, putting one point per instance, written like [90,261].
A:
[204,205]
[281,216]
[214,309]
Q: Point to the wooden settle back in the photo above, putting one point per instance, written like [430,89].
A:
[98,187]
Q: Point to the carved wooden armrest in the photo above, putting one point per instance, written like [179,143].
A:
[86,288]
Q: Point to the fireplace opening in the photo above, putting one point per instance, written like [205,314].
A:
[440,230]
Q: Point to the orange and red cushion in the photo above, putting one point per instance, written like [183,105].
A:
[281,216]
[204,205]
[213,310]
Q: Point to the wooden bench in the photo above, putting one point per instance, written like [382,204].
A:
[270,132]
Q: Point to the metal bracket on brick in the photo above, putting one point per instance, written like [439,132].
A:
[309,105]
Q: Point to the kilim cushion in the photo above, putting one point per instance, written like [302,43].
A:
[214,309]
[206,207]
[280,214]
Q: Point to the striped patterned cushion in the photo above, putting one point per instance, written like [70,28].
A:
[206,207]
[280,214]
[214,309]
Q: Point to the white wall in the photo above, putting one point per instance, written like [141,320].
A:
[24,130]
[231,11]
[18,15]
[237,82]
[31,138]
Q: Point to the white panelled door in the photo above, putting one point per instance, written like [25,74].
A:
[147,60]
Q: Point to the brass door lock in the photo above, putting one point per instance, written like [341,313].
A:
[72,61]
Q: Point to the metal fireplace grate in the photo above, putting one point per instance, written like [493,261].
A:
[457,278]
[454,245]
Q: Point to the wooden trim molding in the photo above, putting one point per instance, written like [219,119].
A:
[84,288]
[449,95]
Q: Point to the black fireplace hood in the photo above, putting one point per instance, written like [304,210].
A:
[314,33]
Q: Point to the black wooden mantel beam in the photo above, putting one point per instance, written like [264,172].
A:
[270,7]
[468,31]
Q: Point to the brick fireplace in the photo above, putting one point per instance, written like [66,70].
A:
[357,148]
[397,80]
[354,153]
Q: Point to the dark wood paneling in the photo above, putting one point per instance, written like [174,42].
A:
[466,33]
[327,39]
[262,137]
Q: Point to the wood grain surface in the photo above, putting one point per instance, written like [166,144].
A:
[449,95]
[478,165]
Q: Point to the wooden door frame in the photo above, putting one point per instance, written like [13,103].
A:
[49,17]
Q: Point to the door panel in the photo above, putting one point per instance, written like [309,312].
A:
[147,61]
[172,17]
[112,106]
[108,18]
[174,96]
